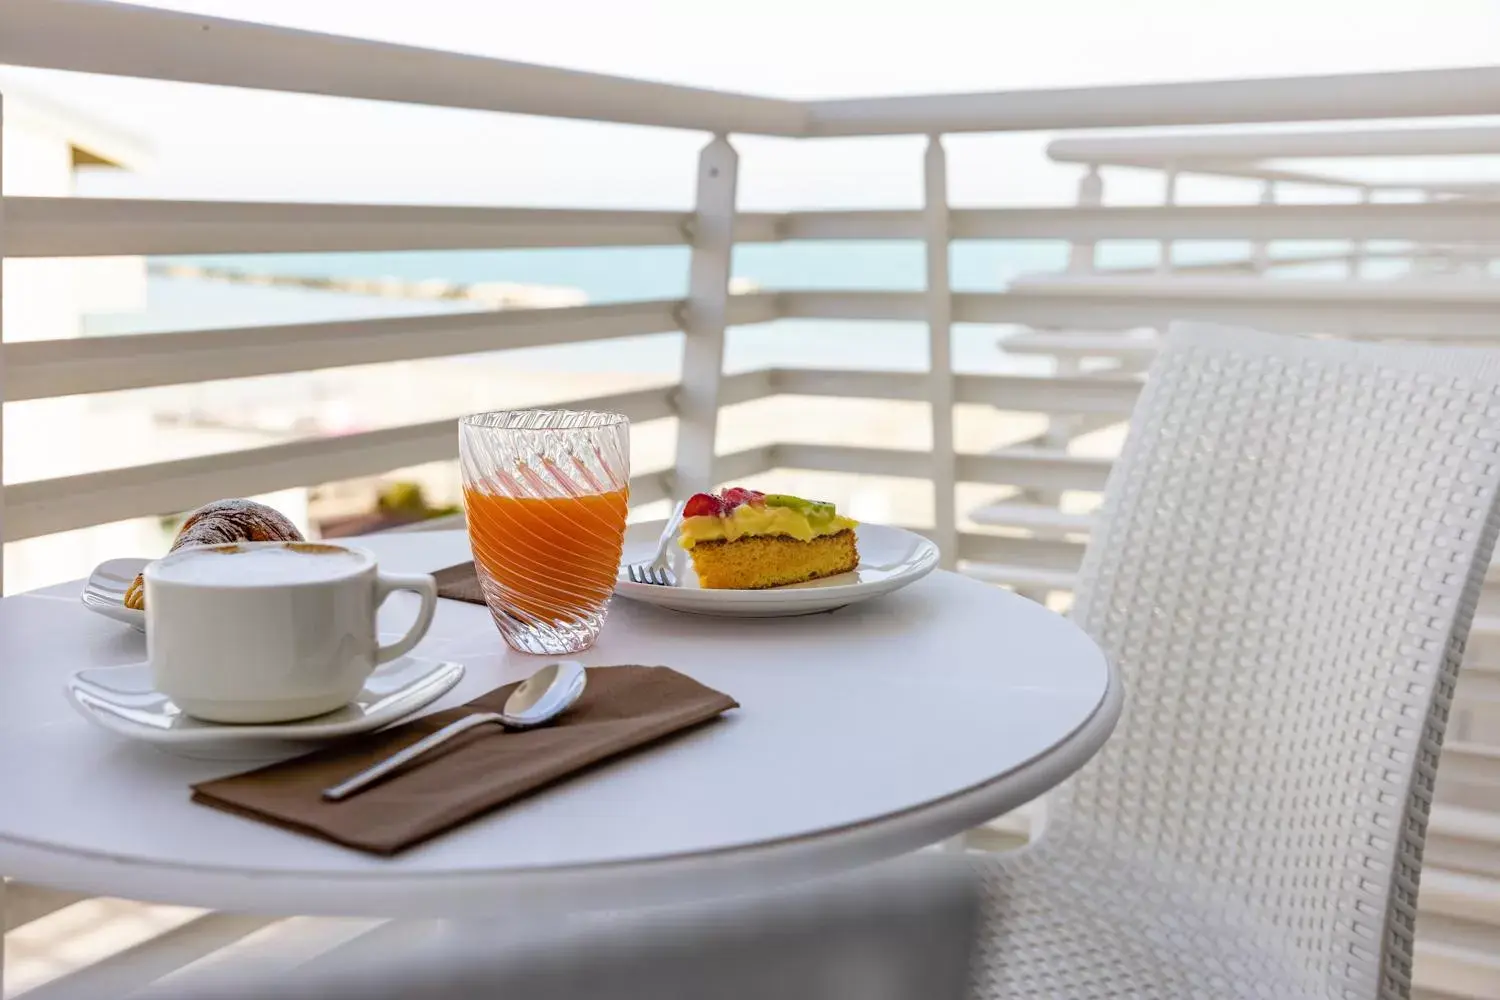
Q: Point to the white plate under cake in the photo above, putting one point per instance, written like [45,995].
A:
[889,559]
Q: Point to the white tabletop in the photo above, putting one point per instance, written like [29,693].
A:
[863,734]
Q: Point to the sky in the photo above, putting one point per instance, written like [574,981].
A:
[214,143]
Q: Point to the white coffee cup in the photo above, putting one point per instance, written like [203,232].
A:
[271,631]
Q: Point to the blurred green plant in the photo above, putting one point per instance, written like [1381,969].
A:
[409,498]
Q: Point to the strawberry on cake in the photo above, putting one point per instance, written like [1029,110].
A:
[747,540]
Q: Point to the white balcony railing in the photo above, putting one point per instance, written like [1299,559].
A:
[1029,536]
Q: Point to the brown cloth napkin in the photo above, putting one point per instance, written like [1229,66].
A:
[622,708]
[460,582]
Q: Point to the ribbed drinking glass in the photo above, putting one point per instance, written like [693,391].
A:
[546,493]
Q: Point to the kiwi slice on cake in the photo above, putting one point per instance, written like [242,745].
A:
[807,507]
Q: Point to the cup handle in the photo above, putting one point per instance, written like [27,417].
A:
[421,584]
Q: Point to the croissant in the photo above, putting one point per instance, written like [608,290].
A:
[220,523]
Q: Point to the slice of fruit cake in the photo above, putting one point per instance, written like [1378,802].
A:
[747,540]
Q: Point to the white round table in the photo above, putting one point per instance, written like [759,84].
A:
[862,734]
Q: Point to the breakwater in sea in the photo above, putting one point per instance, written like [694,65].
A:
[484,294]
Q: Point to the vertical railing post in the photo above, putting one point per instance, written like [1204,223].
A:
[2,468]
[1090,195]
[939,302]
[1081,260]
[1168,198]
[697,399]
[1260,250]
[1361,248]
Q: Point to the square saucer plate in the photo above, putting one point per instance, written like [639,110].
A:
[124,701]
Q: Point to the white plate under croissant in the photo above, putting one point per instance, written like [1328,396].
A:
[104,591]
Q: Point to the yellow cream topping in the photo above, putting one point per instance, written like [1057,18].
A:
[747,520]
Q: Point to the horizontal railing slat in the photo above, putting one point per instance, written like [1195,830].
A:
[1425,222]
[849,383]
[61,227]
[1411,292]
[1027,393]
[44,368]
[853,459]
[92,37]
[1182,150]
[1437,221]
[744,387]
[905,307]
[650,487]
[1083,345]
[82,227]
[1284,309]
[1415,94]
[1471,763]
[866,224]
[1036,517]
[1463,840]
[1031,468]
[45,506]
[1288,311]
[1036,469]
[740,465]
[1050,394]
[1038,553]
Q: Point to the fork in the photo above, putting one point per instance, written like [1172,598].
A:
[657,572]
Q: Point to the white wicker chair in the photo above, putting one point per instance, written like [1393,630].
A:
[1293,544]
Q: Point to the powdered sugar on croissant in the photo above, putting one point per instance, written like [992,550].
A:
[220,523]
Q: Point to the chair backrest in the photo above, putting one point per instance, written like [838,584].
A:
[1291,550]
[904,934]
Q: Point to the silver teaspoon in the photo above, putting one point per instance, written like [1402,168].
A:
[541,698]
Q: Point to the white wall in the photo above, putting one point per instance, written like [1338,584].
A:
[36,299]
[44,299]
[37,303]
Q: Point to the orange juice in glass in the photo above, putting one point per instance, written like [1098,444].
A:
[546,493]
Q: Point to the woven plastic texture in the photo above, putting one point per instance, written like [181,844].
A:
[1290,555]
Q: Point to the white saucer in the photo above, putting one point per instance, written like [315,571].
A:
[123,700]
[104,591]
[889,559]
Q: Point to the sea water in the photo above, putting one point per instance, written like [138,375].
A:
[619,274]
